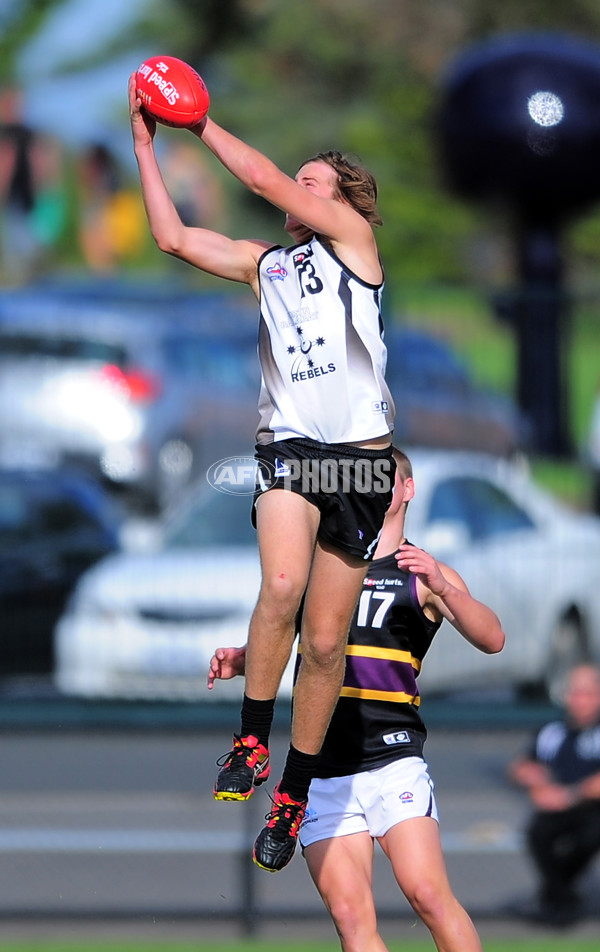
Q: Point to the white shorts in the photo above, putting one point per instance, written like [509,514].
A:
[372,801]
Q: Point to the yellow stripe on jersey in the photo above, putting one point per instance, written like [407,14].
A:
[399,697]
[385,654]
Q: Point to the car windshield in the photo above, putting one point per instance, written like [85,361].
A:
[213,519]
[482,508]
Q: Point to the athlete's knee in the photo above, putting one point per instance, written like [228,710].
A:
[428,900]
[354,924]
[323,650]
[280,594]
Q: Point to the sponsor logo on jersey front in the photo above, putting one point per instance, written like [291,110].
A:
[301,316]
[382,582]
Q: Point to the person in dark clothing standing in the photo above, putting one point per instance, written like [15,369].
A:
[561,774]
[17,188]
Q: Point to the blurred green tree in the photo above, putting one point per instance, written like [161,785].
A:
[364,77]
[19,21]
[359,75]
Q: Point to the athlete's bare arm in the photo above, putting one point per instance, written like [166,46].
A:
[444,594]
[307,200]
[226,663]
[207,250]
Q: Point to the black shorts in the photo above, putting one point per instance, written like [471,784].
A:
[350,486]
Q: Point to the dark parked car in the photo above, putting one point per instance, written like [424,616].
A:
[437,403]
[53,525]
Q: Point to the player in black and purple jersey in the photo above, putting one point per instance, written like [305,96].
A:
[371,781]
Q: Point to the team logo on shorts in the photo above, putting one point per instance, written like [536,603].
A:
[406,797]
[309,817]
[281,468]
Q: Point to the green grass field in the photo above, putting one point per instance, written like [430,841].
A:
[554,944]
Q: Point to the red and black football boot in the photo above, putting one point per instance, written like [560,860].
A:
[243,768]
[276,842]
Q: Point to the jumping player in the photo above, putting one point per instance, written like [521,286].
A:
[326,471]
[373,750]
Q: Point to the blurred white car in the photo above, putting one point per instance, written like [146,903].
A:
[145,626]
[144,396]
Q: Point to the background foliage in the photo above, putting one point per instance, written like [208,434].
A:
[364,76]
[360,75]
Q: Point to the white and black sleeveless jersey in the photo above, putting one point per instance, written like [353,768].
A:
[376,719]
[321,349]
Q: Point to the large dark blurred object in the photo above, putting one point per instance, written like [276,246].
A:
[53,526]
[520,123]
[519,129]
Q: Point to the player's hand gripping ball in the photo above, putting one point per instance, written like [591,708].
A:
[172,92]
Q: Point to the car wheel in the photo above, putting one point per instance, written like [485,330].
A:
[568,648]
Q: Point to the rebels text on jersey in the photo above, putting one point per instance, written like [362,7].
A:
[321,349]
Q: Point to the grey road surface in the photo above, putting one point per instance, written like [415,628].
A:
[120,826]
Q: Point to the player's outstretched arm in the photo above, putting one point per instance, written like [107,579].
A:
[207,250]
[445,592]
[226,663]
[321,214]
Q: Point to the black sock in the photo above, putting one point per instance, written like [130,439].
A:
[298,773]
[257,717]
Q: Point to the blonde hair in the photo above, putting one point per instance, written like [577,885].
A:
[403,464]
[355,183]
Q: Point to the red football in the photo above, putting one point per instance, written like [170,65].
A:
[172,91]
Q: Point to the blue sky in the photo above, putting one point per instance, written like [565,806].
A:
[86,107]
